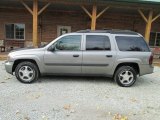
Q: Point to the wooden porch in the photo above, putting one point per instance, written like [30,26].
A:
[149,12]
[149,18]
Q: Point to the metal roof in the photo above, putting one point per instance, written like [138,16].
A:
[138,1]
[134,4]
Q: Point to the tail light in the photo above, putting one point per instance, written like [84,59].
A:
[151,59]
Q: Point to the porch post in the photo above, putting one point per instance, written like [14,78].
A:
[94,17]
[35,13]
[148,26]
[35,23]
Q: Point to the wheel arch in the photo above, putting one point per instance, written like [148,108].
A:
[16,62]
[131,64]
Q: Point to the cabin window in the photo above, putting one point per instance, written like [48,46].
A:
[154,39]
[15,31]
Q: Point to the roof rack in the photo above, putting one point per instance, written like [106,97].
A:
[111,31]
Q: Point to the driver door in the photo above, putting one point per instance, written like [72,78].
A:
[65,56]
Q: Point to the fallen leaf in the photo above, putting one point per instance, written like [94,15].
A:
[98,107]
[120,117]
[124,118]
[26,118]
[7,78]
[56,110]
[17,112]
[67,107]
[72,111]
[67,115]
[133,100]
[33,96]
[3,82]
[44,117]
[37,96]
[109,113]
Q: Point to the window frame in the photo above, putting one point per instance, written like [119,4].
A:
[96,34]
[65,35]
[14,31]
[155,40]
[130,36]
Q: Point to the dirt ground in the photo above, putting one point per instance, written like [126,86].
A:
[79,98]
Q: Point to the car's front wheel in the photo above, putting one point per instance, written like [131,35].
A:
[27,72]
[125,76]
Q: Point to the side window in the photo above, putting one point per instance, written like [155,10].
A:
[97,42]
[70,43]
[126,43]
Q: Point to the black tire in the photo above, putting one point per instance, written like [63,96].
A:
[130,71]
[31,66]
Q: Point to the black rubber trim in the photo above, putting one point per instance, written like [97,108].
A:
[68,64]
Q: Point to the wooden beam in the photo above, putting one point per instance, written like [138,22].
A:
[87,12]
[94,17]
[26,6]
[143,16]
[43,8]
[35,23]
[102,12]
[156,17]
[148,26]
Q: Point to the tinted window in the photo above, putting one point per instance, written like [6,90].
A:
[71,42]
[126,43]
[97,42]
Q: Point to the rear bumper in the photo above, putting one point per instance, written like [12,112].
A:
[146,69]
[8,66]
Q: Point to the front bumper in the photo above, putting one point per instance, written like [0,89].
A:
[8,66]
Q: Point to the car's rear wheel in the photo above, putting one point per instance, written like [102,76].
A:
[27,72]
[125,76]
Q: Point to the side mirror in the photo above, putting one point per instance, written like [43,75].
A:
[51,48]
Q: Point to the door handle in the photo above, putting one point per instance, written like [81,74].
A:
[75,55]
[108,55]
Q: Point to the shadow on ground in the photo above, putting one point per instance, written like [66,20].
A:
[75,79]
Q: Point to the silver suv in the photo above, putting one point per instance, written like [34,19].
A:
[120,54]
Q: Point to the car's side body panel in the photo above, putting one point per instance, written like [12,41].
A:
[139,57]
[87,62]
[98,62]
[63,62]
[29,54]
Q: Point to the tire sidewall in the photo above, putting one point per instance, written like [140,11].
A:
[116,78]
[31,65]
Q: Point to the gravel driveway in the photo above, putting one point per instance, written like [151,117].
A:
[79,98]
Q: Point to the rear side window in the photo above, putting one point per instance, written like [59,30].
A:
[126,43]
[97,42]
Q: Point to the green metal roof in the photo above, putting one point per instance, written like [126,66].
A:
[139,1]
[149,2]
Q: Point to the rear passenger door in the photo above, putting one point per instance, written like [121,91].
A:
[98,54]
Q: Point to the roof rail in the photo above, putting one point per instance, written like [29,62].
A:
[111,31]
